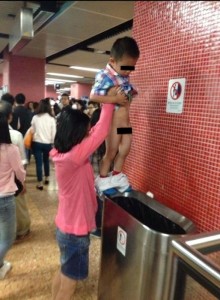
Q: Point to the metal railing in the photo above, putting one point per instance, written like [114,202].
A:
[189,257]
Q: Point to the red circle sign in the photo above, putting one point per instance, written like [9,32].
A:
[175,90]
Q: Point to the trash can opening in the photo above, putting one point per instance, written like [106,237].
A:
[148,216]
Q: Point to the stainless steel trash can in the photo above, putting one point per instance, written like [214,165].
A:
[137,232]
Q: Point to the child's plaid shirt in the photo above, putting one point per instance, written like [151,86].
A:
[108,78]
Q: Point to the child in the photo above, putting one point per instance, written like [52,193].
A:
[74,144]
[123,58]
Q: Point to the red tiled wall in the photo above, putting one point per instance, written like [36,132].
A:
[177,156]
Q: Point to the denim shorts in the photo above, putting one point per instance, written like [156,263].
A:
[74,254]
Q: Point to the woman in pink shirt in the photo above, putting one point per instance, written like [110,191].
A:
[10,166]
[74,143]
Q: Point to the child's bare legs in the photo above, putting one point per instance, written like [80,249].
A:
[123,151]
[112,143]
[63,288]
[117,149]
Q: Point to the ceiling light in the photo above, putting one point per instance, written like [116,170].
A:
[60,80]
[65,75]
[48,82]
[85,69]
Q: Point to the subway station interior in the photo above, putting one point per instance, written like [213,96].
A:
[160,239]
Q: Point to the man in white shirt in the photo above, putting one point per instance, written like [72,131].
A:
[22,213]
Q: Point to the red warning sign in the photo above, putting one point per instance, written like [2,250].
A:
[175,90]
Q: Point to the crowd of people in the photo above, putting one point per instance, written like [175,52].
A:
[87,142]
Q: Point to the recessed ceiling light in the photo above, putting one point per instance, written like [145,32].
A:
[85,69]
[60,80]
[65,75]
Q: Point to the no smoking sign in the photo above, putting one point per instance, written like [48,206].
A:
[175,95]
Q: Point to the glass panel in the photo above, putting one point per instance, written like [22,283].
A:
[195,291]
[214,257]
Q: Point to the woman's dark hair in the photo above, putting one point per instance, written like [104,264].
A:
[72,128]
[94,119]
[8,98]
[44,107]
[125,46]
[5,109]
[4,130]
[56,109]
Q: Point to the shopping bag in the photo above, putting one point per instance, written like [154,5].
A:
[28,138]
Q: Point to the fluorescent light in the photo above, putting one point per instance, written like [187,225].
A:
[60,80]
[65,75]
[85,69]
[51,82]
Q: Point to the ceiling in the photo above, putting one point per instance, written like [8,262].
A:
[77,33]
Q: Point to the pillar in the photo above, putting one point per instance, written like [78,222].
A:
[24,75]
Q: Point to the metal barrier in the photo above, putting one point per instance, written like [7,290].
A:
[136,237]
[188,257]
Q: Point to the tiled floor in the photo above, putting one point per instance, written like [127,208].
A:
[36,260]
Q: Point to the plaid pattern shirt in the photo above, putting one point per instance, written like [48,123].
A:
[108,78]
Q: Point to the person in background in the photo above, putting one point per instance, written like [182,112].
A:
[43,126]
[21,115]
[30,106]
[8,98]
[65,104]
[35,106]
[22,213]
[65,100]
[10,167]
[91,107]
[123,58]
[74,143]
[56,109]
[79,104]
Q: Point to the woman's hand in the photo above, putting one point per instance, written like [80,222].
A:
[119,95]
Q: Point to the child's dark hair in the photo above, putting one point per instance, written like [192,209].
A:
[124,46]
[72,128]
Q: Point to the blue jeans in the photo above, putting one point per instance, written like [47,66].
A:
[7,225]
[74,254]
[41,154]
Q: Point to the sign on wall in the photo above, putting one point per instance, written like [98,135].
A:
[121,240]
[175,96]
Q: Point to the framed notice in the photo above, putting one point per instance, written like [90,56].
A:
[175,95]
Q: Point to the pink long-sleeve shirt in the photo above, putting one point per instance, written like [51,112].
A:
[10,165]
[74,174]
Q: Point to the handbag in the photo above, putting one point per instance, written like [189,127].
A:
[19,186]
[28,138]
